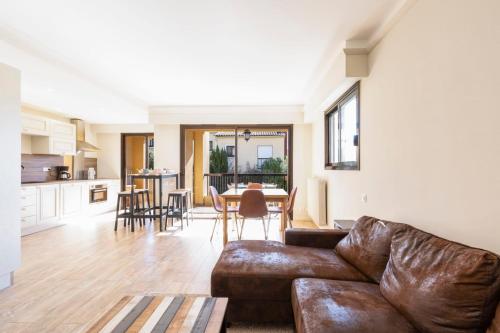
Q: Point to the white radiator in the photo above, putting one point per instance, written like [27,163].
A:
[316,200]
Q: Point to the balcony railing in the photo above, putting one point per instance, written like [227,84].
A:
[221,180]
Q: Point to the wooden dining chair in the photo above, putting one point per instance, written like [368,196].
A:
[255,186]
[289,207]
[217,205]
[253,205]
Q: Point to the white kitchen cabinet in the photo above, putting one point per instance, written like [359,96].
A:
[53,146]
[44,205]
[64,131]
[60,140]
[49,203]
[71,199]
[33,125]
[29,206]
[28,221]
[62,146]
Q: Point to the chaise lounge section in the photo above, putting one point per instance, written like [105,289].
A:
[381,276]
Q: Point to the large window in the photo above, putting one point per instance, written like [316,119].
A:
[342,132]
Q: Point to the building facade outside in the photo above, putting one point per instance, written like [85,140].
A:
[262,146]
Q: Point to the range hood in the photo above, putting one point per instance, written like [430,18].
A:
[81,144]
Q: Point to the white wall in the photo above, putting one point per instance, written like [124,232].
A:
[167,147]
[227,114]
[10,127]
[109,157]
[302,167]
[430,144]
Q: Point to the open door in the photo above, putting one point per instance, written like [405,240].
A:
[220,155]
[137,153]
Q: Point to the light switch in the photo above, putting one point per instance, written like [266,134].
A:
[364,197]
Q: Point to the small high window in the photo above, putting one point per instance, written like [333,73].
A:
[342,132]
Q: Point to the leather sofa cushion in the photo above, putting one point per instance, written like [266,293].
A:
[368,245]
[264,270]
[344,307]
[439,285]
[495,324]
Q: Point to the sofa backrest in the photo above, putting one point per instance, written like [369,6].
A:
[368,244]
[439,285]
[495,324]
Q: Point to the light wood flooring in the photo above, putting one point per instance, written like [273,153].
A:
[71,275]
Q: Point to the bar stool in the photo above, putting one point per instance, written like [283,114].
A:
[180,202]
[145,199]
[140,207]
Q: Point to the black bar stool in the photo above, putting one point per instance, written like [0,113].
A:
[123,203]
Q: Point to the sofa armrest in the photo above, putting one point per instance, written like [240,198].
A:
[318,238]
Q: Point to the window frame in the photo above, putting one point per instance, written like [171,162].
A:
[233,150]
[354,90]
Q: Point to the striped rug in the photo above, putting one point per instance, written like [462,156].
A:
[165,313]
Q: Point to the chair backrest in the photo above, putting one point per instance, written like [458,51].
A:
[253,204]
[216,202]
[255,186]
[291,200]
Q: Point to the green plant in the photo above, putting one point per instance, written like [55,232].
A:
[218,161]
[274,165]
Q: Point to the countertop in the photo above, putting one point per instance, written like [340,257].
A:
[69,181]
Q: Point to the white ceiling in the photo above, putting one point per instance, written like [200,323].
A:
[166,52]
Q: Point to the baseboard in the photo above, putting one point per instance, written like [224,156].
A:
[5,280]
[38,228]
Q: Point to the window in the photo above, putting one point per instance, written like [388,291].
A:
[342,132]
[230,151]
[264,153]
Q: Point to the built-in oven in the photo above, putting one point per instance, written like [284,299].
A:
[98,193]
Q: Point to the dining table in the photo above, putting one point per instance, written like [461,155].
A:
[270,195]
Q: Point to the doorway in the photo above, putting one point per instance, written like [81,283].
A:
[137,152]
[234,155]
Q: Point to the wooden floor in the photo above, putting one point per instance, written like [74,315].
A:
[73,274]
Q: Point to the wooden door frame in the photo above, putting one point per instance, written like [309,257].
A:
[123,136]
[184,128]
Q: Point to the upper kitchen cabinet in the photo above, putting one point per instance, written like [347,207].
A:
[33,125]
[60,141]
[63,131]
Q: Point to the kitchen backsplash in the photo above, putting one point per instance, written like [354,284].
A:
[32,167]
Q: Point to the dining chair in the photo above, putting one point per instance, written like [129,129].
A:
[289,207]
[255,186]
[253,205]
[217,205]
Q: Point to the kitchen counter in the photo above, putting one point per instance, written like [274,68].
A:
[69,181]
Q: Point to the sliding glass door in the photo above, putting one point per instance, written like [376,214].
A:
[229,156]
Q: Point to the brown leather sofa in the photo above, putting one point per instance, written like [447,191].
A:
[380,277]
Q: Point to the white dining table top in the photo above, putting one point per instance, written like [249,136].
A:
[268,192]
